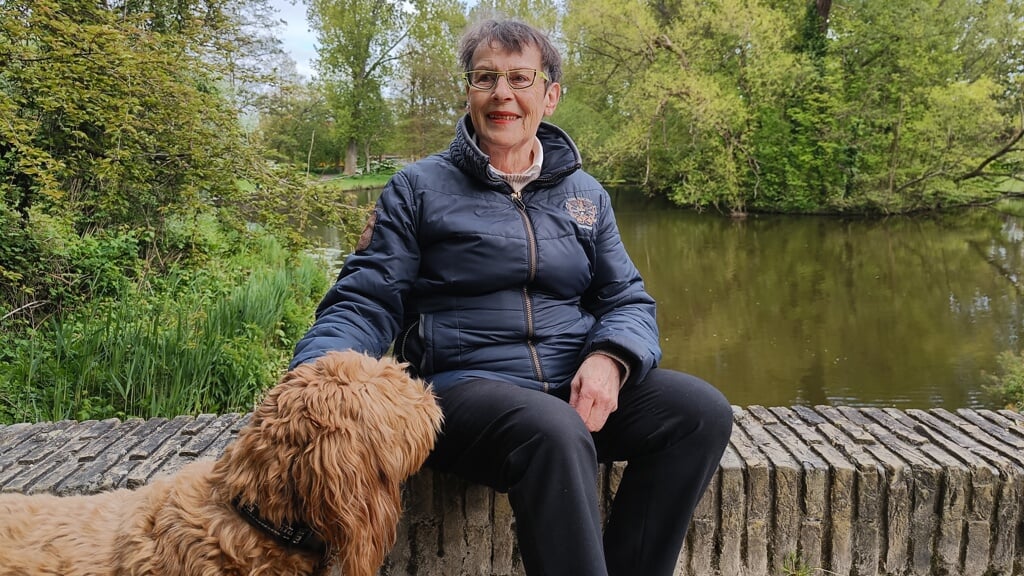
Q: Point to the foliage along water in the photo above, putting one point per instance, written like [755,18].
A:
[907,312]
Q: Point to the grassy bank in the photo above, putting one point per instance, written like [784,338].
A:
[362,182]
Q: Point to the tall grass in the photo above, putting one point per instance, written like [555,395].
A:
[187,343]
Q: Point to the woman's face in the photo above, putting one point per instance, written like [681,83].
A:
[506,120]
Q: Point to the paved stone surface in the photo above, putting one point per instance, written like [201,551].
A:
[850,491]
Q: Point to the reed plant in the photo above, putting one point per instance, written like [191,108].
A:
[189,342]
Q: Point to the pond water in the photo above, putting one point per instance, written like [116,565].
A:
[906,312]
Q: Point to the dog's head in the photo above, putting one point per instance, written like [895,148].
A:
[330,446]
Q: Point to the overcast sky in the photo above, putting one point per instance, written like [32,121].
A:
[296,36]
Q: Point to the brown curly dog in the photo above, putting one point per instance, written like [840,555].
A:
[312,481]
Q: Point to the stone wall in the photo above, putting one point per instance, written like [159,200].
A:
[842,490]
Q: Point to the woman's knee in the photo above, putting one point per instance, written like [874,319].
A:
[507,417]
[716,410]
[552,446]
[703,413]
[495,432]
[560,429]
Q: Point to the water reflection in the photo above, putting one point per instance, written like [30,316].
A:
[906,312]
[776,310]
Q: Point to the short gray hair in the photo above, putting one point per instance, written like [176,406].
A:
[514,36]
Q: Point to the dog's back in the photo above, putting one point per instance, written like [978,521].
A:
[73,535]
[96,535]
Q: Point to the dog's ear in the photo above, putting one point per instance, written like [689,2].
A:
[414,402]
[376,426]
[348,500]
[256,466]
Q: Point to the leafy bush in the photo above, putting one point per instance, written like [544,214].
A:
[386,166]
[16,248]
[149,254]
[1008,386]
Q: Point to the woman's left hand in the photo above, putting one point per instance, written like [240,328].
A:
[595,390]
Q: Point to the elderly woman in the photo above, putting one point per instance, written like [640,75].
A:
[497,271]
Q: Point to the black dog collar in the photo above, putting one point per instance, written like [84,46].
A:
[292,535]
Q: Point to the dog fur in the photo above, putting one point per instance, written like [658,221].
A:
[328,448]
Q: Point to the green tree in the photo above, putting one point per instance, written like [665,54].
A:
[540,13]
[148,250]
[235,35]
[112,137]
[670,90]
[359,44]
[297,124]
[907,73]
[799,105]
[430,94]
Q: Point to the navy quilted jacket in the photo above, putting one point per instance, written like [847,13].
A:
[468,280]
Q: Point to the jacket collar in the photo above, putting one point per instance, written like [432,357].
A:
[561,156]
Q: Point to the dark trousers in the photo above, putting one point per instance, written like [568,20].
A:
[671,428]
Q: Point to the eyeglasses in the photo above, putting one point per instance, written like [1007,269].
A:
[518,79]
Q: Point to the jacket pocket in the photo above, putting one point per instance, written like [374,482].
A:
[413,346]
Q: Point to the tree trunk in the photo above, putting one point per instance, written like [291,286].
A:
[351,157]
[824,8]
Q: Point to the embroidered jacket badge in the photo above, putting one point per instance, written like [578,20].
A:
[582,210]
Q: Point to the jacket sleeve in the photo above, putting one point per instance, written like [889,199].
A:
[363,310]
[626,320]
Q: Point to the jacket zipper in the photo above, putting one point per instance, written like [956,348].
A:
[403,339]
[531,246]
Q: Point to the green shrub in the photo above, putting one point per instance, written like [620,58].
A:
[188,342]
[1008,386]
[15,247]
[48,261]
